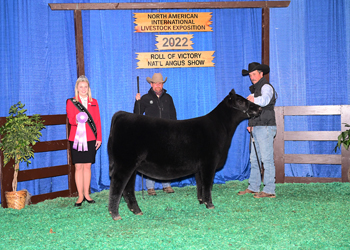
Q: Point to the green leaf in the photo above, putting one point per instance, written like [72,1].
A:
[19,134]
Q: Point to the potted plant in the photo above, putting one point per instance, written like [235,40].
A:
[19,134]
[344,138]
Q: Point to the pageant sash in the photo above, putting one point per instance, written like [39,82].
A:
[90,121]
[80,141]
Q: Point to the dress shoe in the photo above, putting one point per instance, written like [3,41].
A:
[78,204]
[89,201]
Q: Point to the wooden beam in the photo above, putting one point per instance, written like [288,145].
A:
[54,120]
[311,179]
[47,146]
[311,135]
[168,5]
[265,40]
[40,173]
[312,159]
[49,196]
[79,45]
[312,110]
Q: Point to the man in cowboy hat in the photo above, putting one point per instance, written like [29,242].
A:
[156,103]
[263,129]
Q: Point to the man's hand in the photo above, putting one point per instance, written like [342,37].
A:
[138,96]
[250,98]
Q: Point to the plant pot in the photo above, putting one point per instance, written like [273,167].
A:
[16,200]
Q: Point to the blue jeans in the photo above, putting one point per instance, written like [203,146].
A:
[150,184]
[263,137]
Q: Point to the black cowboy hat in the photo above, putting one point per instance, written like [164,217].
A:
[256,66]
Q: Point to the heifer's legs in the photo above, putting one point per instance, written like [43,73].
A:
[114,198]
[199,187]
[207,176]
[129,195]
[120,175]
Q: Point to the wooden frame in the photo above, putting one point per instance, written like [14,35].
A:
[78,7]
[281,158]
[6,173]
[25,175]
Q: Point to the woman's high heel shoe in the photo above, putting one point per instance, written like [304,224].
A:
[89,201]
[79,204]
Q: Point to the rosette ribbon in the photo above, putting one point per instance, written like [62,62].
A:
[80,140]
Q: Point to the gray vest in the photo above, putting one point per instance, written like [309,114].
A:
[267,117]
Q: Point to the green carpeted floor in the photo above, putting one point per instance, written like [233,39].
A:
[302,216]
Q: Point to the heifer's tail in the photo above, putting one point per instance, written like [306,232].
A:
[111,131]
[110,143]
[113,120]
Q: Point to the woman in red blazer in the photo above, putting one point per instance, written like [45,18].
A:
[84,159]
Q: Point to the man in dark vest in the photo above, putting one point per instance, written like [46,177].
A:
[263,129]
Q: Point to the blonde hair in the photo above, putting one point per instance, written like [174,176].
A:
[82,78]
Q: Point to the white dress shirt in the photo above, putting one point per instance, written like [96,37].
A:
[84,101]
[266,95]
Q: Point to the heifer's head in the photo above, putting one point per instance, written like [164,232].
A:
[242,104]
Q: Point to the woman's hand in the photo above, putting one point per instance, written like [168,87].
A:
[98,144]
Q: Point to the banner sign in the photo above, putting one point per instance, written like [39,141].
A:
[173,22]
[175,59]
[171,42]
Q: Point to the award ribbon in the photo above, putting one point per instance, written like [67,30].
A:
[80,140]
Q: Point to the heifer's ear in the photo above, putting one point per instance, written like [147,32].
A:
[233,94]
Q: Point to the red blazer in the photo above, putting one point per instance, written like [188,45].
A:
[94,110]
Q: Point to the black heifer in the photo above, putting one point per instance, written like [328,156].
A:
[167,149]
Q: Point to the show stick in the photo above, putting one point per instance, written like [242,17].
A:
[139,107]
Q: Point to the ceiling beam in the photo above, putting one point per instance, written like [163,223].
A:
[168,5]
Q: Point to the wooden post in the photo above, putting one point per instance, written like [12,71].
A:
[79,44]
[345,154]
[265,44]
[6,174]
[71,170]
[278,145]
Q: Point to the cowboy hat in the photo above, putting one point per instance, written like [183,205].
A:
[256,66]
[157,77]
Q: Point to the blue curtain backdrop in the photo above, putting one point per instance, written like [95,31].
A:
[309,57]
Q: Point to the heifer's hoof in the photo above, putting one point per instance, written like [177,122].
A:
[117,217]
[200,201]
[209,206]
[136,211]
